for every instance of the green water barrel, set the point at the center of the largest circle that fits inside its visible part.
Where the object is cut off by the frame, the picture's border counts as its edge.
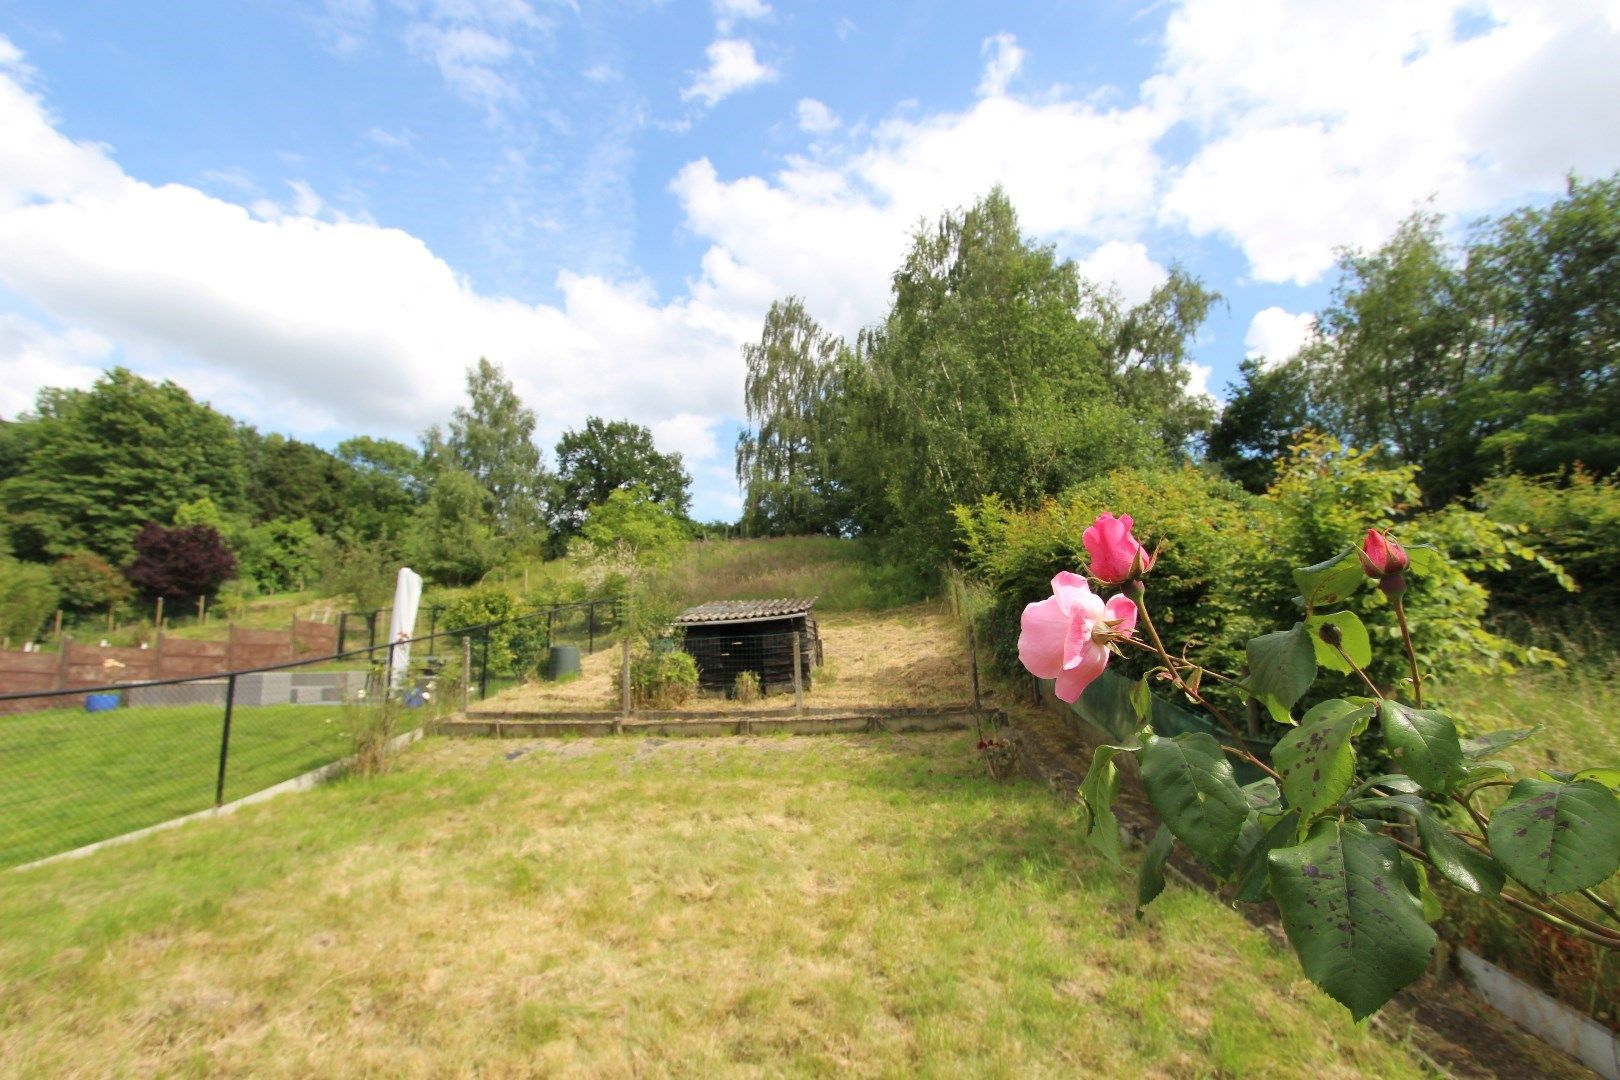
(563, 662)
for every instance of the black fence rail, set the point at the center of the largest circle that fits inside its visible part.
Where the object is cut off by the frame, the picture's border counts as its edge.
(82, 765)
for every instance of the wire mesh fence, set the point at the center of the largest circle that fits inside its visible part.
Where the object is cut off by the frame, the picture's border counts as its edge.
(99, 748)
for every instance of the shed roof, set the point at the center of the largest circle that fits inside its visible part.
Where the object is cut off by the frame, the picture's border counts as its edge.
(743, 611)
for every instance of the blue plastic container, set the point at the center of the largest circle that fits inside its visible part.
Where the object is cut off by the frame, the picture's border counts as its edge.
(100, 702)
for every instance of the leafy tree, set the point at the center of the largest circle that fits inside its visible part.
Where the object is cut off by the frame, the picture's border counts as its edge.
(1149, 357)
(181, 563)
(387, 484)
(289, 480)
(491, 439)
(1550, 281)
(632, 521)
(606, 456)
(1399, 344)
(103, 461)
(784, 458)
(984, 379)
(1264, 415)
(1498, 354)
(87, 583)
(365, 572)
(455, 542)
(279, 556)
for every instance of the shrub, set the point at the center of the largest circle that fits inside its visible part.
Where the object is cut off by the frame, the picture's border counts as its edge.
(280, 555)
(1576, 522)
(514, 645)
(87, 583)
(27, 598)
(662, 679)
(182, 563)
(1220, 545)
(365, 573)
(745, 687)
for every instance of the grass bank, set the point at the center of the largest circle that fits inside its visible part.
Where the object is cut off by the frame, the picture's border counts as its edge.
(820, 906)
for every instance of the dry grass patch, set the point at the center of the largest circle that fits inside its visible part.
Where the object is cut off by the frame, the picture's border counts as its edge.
(729, 907)
(912, 656)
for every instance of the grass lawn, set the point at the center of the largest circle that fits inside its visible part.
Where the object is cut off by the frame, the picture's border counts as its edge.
(642, 907)
(68, 777)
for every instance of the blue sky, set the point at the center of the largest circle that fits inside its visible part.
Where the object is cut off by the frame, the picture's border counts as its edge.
(317, 214)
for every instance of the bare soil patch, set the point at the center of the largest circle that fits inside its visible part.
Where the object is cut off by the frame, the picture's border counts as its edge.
(913, 656)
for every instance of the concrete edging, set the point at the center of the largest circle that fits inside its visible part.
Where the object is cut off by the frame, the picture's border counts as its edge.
(1549, 1020)
(820, 722)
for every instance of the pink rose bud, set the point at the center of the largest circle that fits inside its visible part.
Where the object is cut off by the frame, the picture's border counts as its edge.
(1381, 557)
(1116, 555)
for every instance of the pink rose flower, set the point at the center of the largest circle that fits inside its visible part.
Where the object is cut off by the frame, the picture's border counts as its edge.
(1116, 555)
(1068, 636)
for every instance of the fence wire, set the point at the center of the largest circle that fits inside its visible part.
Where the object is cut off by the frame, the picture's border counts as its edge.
(85, 763)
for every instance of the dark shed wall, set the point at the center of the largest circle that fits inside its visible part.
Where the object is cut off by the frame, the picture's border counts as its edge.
(765, 648)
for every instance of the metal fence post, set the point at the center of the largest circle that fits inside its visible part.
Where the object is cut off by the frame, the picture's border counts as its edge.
(973, 662)
(798, 676)
(466, 671)
(590, 631)
(483, 668)
(225, 739)
(624, 663)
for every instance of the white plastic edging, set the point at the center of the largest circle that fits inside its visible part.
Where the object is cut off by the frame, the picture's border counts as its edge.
(1553, 1022)
(298, 783)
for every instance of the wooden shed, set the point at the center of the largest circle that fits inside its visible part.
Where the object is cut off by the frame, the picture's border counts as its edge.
(728, 637)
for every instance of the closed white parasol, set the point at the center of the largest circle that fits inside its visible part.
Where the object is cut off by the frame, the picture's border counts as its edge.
(402, 624)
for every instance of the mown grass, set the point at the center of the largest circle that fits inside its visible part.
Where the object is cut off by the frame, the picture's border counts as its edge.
(867, 905)
(69, 778)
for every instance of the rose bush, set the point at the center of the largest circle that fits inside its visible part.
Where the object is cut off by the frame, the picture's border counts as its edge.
(1347, 857)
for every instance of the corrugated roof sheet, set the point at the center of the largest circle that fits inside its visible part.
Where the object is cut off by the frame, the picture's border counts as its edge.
(736, 611)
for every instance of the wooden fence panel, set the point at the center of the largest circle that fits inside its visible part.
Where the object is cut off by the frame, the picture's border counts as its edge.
(313, 638)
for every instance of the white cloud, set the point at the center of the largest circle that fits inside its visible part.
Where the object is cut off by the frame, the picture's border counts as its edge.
(390, 140)
(688, 434)
(1005, 60)
(32, 357)
(1126, 267)
(1198, 379)
(732, 67)
(306, 325)
(1274, 334)
(469, 59)
(1318, 130)
(815, 118)
(728, 13)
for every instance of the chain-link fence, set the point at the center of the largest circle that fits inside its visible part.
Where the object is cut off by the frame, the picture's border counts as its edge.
(100, 748)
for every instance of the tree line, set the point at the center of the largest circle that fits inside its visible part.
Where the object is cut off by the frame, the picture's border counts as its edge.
(133, 487)
(1000, 371)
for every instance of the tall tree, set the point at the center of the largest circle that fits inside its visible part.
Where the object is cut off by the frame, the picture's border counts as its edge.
(986, 378)
(454, 543)
(784, 458)
(1149, 356)
(491, 438)
(1400, 342)
(289, 479)
(1264, 415)
(387, 483)
(607, 456)
(1550, 280)
(104, 461)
